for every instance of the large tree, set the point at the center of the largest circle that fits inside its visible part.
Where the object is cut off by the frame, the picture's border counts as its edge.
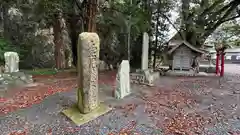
(227, 34)
(200, 18)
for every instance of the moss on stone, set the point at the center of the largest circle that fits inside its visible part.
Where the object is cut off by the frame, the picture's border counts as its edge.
(78, 118)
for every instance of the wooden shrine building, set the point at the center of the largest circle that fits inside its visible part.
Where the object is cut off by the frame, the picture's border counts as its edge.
(182, 54)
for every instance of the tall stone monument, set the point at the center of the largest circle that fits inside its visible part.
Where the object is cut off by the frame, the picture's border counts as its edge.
(144, 75)
(123, 80)
(145, 47)
(88, 50)
(11, 62)
(88, 107)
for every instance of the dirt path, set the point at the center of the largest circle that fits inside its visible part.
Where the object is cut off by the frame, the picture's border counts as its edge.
(175, 106)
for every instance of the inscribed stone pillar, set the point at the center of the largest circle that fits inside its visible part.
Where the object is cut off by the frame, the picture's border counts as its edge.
(123, 80)
(145, 46)
(11, 62)
(88, 57)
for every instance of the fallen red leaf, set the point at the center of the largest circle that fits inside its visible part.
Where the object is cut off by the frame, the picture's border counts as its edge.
(34, 95)
(18, 133)
(3, 100)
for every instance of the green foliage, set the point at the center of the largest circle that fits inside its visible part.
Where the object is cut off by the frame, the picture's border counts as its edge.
(227, 34)
(121, 15)
(200, 18)
(46, 10)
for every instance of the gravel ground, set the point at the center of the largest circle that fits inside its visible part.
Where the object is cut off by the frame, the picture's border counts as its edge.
(176, 105)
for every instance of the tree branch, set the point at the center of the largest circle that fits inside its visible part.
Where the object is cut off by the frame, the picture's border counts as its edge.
(229, 7)
(214, 27)
(170, 22)
(80, 6)
(211, 27)
(206, 11)
(232, 3)
(231, 18)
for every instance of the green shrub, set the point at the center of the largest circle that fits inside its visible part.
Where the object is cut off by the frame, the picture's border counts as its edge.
(43, 72)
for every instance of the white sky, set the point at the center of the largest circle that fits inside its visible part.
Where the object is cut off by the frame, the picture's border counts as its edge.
(173, 18)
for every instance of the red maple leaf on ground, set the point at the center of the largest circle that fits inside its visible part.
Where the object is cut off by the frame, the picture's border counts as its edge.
(51, 84)
(35, 95)
(19, 132)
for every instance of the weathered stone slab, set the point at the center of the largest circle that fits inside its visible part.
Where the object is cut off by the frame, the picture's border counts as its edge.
(137, 78)
(11, 62)
(187, 73)
(123, 80)
(88, 50)
(15, 79)
(146, 77)
(80, 119)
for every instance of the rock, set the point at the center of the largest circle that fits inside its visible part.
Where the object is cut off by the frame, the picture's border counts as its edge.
(17, 82)
(11, 62)
(123, 80)
(102, 66)
(2, 69)
(3, 88)
(146, 77)
(18, 74)
(14, 79)
(23, 78)
(149, 77)
(137, 78)
(6, 76)
(236, 92)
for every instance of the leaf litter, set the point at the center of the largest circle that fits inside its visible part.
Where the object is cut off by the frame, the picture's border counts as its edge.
(52, 84)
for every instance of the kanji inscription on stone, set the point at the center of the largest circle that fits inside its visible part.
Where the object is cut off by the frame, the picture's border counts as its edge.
(88, 57)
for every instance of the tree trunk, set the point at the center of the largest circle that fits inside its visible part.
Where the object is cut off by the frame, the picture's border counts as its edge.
(5, 21)
(74, 37)
(1, 20)
(156, 42)
(123, 42)
(137, 52)
(58, 41)
(155, 47)
(129, 44)
(91, 15)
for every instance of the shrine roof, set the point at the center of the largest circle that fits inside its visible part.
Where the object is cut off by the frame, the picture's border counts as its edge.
(177, 43)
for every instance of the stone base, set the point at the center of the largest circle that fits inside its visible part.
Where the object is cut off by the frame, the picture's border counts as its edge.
(80, 119)
(118, 96)
(187, 73)
(156, 75)
(145, 77)
(16, 79)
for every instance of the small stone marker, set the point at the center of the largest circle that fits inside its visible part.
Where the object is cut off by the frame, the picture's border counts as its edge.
(11, 62)
(88, 107)
(123, 80)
